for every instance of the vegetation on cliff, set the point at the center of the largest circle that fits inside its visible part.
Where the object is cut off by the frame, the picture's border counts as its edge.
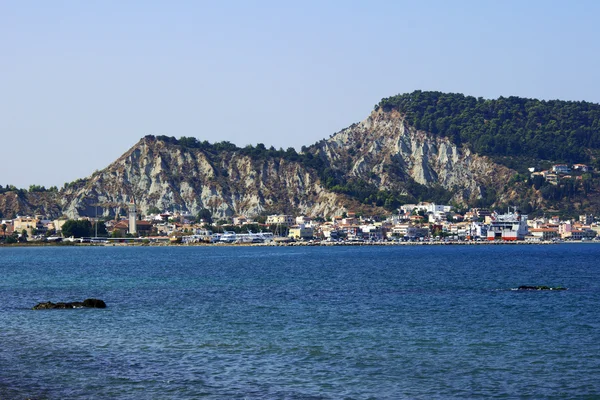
(32, 189)
(560, 131)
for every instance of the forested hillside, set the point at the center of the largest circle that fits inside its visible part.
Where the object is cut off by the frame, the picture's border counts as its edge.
(557, 131)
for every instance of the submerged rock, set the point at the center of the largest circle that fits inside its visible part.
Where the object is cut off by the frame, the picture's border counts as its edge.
(88, 303)
(541, 288)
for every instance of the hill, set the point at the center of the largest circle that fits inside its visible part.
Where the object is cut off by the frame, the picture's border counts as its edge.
(422, 146)
(513, 127)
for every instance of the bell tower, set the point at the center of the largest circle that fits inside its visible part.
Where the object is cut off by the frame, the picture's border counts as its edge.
(132, 218)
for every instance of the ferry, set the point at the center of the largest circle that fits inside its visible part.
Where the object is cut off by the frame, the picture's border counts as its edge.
(252, 237)
(265, 236)
(228, 237)
(508, 227)
(201, 236)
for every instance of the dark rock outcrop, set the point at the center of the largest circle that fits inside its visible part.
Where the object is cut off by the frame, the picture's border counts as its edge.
(94, 303)
(87, 303)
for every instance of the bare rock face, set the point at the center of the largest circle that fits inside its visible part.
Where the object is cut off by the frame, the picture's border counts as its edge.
(172, 177)
(87, 303)
(383, 150)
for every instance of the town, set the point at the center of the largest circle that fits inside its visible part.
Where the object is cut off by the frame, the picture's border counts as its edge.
(423, 222)
(411, 223)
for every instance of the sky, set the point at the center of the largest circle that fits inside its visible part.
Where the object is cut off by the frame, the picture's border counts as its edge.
(81, 82)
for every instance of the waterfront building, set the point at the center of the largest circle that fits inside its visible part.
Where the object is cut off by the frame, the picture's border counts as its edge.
(586, 219)
(9, 227)
(544, 233)
(371, 232)
(400, 230)
(287, 220)
(301, 232)
(478, 230)
(27, 224)
(415, 232)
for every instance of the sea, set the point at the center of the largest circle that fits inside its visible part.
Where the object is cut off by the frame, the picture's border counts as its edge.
(361, 322)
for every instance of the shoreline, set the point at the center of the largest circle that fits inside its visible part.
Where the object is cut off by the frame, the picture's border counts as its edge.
(301, 244)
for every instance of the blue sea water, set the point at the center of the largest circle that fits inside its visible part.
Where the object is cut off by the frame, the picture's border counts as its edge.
(301, 323)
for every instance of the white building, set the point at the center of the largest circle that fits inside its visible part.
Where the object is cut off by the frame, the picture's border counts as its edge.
(303, 220)
(561, 169)
(286, 220)
(427, 208)
(371, 232)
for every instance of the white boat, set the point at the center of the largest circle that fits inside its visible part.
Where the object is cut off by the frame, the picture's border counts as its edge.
(228, 237)
(201, 236)
(265, 236)
(252, 237)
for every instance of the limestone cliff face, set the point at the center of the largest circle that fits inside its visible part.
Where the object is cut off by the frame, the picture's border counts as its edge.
(383, 150)
(172, 177)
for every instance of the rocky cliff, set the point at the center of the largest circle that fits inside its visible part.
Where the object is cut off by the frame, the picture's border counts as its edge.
(22, 202)
(173, 177)
(383, 151)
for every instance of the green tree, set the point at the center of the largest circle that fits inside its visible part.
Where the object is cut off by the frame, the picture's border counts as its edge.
(537, 181)
(506, 127)
(4, 229)
(205, 215)
(153, 210)
(36, 188)
(101, 229)
(77, 228)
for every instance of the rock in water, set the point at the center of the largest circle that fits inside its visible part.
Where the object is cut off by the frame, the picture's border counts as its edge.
(88, 303)
(94, 303)
(541, 288)
(45, 306)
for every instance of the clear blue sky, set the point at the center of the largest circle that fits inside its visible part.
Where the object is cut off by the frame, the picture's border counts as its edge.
(83, 81)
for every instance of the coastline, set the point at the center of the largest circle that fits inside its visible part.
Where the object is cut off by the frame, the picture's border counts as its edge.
(301, 244)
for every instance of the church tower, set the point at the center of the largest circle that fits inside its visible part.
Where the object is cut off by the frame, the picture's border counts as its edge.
(132, 218)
